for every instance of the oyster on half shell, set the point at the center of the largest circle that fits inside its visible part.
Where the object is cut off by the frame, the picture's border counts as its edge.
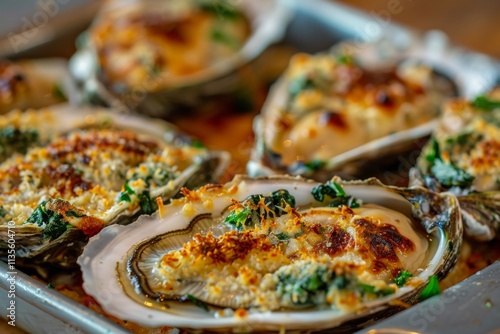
(463, 157)
(292, 252)
(153, 56)
(355, 106)
(74, 171)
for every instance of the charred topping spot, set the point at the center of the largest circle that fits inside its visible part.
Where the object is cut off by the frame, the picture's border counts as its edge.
(384, 99)
(65, 179)
(333, 119)
(122, 141)
(384, 240)
(337, 241)
(224, 249)
(90, 225)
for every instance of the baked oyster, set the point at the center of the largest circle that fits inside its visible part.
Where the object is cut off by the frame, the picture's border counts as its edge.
(463, 157)
(152, 55)
(275, 253)
(97, 168)
(330, 112)
(34, 84)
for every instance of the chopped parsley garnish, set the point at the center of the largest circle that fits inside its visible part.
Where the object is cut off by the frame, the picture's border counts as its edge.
(128, 190)
(333, 194)
(252, 208)
(431, 289)
(484, 103)
(124, 197)
(282, 236)
(402, 278)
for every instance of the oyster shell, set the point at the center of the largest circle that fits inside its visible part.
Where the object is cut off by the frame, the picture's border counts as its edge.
(353, 107)
(129, 281)
(219, 36)
(463, 157)
(88, 168)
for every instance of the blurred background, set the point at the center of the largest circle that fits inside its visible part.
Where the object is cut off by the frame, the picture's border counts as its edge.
(469, 23)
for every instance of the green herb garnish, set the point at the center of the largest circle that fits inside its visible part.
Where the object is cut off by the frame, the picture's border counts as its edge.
(53, 223)
(148, 206)
(315, 165)
(223, 37)
(58, 93)
(447, 173)
(197, 302)
(124, 197)
(220, 8)
(251, 212)
(334, 194)
(14, 140)
(484, 103)
(431, 289)
(450, 175)
(345, 59)
(402, 278)
(367, 288)
(3, 212)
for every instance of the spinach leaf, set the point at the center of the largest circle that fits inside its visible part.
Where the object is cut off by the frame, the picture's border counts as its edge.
(334, 194)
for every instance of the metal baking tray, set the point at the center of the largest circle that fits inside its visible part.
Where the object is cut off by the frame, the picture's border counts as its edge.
(316, 26)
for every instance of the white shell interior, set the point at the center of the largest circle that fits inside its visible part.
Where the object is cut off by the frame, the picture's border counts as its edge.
(105, 250)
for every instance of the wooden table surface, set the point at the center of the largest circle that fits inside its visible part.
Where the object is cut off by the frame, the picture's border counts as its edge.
(474, 24)
(471, 24)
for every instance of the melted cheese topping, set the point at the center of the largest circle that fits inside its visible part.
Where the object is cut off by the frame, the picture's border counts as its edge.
(372, 242)
(137, 45)
(85, 173)
(333, 106)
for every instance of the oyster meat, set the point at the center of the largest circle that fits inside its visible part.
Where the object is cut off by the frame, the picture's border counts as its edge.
(463, 157)
(165, 51)
(62, 188)
(278, 248)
